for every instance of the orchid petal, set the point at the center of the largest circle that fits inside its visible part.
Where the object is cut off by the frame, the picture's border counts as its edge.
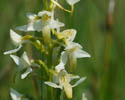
(13, 51)
(19, 62)
(68, 90)
(32, 26)
(53, 85)
(22, 28)
(16, 38)
(55, 24)
(72, 77)
(41, 13)
(28, 71)
(38, 25)
(26, 59)
(70, 34)
(72, 2)
(15, 95)
(60, 66)
(31, 16)
(81, 53)
(64, 57)
(26, 28)
(79, 81)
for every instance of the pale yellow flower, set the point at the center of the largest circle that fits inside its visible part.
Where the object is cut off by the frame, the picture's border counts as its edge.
(64, 80)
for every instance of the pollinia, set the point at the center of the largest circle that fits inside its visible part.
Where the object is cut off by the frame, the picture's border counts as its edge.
(58, 53)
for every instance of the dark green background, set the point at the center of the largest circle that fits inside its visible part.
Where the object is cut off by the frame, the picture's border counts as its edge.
(105, 71)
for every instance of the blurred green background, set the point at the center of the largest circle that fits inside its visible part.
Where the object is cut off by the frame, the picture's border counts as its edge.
(105, 70)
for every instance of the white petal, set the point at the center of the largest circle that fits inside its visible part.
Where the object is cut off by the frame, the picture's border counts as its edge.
(81, 54)
(28, 71)
(30, 27)
(15, 95)
(72, 2)
(55, 24)
(79, 81)
(53, 85)
(70, 34)
(18, 61)
(68, 90)
(31, 16)
(26, 59)
(38, 25)
(33, 26)
(41, 13)
(15, 37)
(64, 57)
(27, 28)
(73, 45)
(72, 77)
(13, 51)
(60, 67)
(22, 28)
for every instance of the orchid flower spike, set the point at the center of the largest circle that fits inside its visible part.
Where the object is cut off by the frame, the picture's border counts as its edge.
(16, 39)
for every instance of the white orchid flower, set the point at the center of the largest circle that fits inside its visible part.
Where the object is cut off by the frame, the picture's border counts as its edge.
(42, 22)
(72, 2)
(64, 80)
(23, 63)
(16, 39)
(16, 95)
(48, 23)
(68, 35)
(75, 51)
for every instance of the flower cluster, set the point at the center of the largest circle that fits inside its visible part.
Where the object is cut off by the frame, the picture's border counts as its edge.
(59, 48)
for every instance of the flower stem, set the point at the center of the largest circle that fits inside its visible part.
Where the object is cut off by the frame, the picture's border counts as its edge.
(46, 4)
(62, 94)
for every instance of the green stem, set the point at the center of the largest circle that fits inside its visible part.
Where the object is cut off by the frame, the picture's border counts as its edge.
(49, 64)
(37, 94)
(49, 59)
(46, 4)
(62, 94)
(41, 89)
